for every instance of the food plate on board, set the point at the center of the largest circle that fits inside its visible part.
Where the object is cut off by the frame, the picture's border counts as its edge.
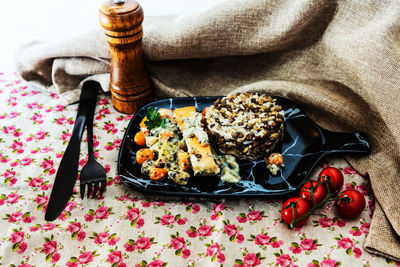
(304, 144)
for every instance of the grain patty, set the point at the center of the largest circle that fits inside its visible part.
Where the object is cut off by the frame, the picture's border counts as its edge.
(246, 125)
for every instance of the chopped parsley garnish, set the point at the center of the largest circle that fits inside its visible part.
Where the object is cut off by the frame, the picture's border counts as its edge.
(154, 119)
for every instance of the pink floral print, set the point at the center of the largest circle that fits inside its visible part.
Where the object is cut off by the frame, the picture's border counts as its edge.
(128, 228)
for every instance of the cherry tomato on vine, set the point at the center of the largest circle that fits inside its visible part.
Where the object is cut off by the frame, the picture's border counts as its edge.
(335, 176)
(350, 204)
(319, 190)
(301, 207)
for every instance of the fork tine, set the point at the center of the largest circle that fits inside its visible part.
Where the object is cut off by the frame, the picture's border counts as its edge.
(103, 187)
(89, 189)
(95, 188)
(82, 187)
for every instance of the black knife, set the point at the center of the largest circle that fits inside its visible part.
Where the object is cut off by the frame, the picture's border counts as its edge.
(67, 171)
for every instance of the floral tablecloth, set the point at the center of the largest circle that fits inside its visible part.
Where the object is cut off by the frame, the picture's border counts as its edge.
(126, 228)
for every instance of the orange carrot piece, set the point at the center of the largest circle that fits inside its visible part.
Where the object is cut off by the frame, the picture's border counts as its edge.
(204, 111)
(157, 173)
(144, 154)
(140, 138)
(275, 158)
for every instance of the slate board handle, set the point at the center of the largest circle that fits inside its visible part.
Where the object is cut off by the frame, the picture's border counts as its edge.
(347, 142)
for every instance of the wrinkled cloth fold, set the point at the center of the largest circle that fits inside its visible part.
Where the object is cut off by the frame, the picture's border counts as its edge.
(339, 60)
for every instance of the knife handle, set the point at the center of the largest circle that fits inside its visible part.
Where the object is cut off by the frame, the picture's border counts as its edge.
(87, 104)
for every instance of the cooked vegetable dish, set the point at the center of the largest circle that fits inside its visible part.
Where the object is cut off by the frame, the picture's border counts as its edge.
(177, 146)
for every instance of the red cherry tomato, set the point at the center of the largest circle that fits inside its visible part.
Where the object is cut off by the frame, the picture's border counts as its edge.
(335, 176)
(302, 206)
(350, 204)
(319, 190)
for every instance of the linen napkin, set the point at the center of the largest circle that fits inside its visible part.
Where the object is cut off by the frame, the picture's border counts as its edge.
(339, 60)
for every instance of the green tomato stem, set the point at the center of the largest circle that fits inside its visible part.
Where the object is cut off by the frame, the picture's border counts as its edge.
(330, 197)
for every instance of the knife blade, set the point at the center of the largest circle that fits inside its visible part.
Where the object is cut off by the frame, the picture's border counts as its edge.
(68, 169)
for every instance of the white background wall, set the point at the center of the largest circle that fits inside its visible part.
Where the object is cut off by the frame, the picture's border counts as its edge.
(22, 21)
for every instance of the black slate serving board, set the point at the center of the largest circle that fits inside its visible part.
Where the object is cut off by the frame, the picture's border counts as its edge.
(303, 146)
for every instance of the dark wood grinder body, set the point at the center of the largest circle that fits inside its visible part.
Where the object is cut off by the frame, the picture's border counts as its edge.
(129, 80)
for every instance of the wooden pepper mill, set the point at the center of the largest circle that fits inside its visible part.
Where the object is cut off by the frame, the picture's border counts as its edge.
(129, 80)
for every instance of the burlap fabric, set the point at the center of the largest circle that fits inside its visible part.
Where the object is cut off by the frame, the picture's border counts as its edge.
(339, 60)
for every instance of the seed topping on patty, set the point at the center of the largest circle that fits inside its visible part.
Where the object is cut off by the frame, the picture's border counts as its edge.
(246, 125)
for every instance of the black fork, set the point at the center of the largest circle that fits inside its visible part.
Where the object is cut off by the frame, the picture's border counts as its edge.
(92, 174)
